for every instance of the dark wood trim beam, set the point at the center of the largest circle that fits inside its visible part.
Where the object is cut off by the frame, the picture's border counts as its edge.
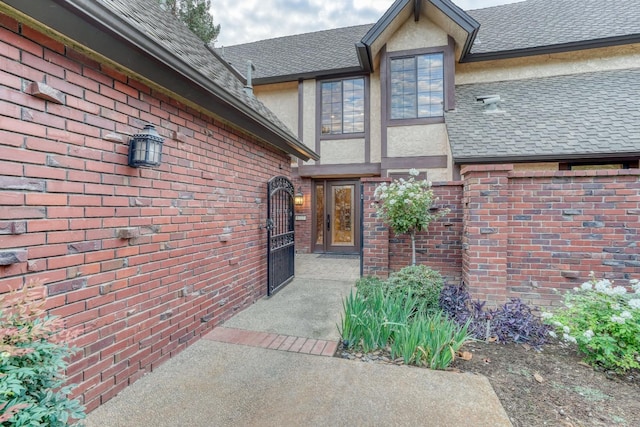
(422, 162)
(384, 113)
(330, 136)
(346, 170)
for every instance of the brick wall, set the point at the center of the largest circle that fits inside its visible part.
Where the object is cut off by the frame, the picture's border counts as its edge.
(134, 258)
(375, 235)
(525, 234)
(563, 225)
(439, 246)
(303, 227)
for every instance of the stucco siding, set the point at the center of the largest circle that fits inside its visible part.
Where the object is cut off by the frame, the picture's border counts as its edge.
(423, 140)
(309, 115)
(611, 58)
(417, 35)
(342, 151)
(547, 166)
(282, 99)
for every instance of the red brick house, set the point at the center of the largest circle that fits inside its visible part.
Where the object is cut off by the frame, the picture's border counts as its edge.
(142, 260)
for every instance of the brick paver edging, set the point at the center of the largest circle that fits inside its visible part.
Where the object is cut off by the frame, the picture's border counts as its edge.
(273, 341)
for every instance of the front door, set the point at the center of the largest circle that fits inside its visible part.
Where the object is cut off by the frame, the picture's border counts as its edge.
(336, 222)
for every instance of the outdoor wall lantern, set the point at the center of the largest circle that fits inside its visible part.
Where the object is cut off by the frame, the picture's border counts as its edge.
(145, 149)
(298, 199)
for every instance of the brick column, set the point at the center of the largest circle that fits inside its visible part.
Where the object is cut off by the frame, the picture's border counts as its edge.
(485, 232)
(375, 235)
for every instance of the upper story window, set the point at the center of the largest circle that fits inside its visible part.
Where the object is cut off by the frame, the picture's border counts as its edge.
(342, 106)
(417, 86)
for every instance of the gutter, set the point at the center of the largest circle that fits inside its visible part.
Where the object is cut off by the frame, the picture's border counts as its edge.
(545, 157)
(555, 48)
(84, 20)
(463, 19)
(306, 76)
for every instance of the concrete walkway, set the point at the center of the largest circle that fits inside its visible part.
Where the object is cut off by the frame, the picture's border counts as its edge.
(271, 365)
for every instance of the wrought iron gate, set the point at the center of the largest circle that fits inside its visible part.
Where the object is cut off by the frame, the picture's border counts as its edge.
(280, 233)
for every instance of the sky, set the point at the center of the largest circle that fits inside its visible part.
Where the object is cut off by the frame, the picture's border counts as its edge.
(244, 21)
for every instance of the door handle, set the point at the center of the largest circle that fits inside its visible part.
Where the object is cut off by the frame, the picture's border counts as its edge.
(328, 222)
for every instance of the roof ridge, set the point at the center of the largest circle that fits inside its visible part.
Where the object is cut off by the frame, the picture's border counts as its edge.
(497, 5)
(296, 35)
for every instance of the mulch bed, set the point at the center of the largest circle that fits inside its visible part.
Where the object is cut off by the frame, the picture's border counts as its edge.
(551, 387)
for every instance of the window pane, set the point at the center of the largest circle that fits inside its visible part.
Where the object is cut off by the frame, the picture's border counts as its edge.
(417, 86)
(342, 106)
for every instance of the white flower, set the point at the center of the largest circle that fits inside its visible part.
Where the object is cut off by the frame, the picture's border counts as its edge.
(616, 306)
(556, 323)
(588, 334)
(634, 303)
(586, 286)
(546, 315)
(414, 172)
(626, 315)
(553, 334)
(603, 285)
(566, 329)
(635, 285)
(617, 319)
(618, 290)
(392, 202)
(569, 338)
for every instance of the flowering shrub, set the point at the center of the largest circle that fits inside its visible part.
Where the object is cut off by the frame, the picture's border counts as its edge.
(33, 348)
(604, 321)
(405, 205)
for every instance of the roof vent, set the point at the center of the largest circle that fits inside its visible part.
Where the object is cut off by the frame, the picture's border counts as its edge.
(490, 102)
(248, 88)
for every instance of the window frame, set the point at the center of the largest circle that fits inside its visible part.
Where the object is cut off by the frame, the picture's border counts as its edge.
(448, 89)
(351, 135)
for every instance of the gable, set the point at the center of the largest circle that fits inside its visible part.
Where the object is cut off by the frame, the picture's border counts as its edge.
(459, 24)
(417, 35)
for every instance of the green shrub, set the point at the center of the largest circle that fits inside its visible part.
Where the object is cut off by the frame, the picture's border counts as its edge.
(366, 286)
(422, 282)
(33, 348)
(604, 322)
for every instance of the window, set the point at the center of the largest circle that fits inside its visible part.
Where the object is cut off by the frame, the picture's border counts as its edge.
(417, 86)
(342, 106)
(598, 165)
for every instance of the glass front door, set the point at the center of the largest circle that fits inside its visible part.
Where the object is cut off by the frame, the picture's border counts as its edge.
(337, 216)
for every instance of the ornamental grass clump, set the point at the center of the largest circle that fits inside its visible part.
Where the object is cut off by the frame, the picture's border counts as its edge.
(399, 322)
(405, 206)
(33, 352)
(603, 320)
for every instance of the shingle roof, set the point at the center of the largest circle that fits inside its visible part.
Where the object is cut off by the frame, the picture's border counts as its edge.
(177, 39)
(582, 115)
(299, 54)
(535, 23)
(139, 36)
(516, 26)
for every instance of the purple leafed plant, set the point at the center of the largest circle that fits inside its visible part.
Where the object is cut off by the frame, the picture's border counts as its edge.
(514, 321)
